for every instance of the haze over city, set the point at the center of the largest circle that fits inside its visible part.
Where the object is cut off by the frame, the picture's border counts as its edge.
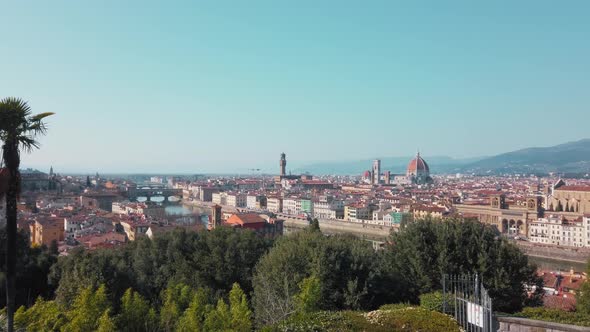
(182, 87)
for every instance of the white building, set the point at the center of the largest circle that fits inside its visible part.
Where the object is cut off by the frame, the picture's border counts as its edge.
(251, 201)
(71, 225)
(236, 200)
(157, 179)
(219, 198)
(554, 230)
(328, 208)
(255, 201)
(290, 205)
(274, 204)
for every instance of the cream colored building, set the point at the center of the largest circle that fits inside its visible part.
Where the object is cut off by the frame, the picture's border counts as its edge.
(235, 200)
(558, 231)
(219, 198)
(274, 204)
(290, 205)
(357, 212)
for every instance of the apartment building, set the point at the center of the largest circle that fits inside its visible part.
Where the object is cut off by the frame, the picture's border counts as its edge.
(559, 231)
(290, 205)
(328, 208)
(274, 204)
(236, 200)
(357, 212)
(256, 201)
(219, 198)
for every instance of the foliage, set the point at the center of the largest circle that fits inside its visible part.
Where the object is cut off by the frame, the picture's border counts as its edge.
(309, 296)
(241, 315)
(88, 307)
(32, 267)
(183, 309)
(314, 225)
(82, 268)
(556, 316)
(583, 296)
(348, 268)
(136, 313)
(212, 260)
(413, 319)
(193, 317)
(106, 323)
(42, 316)
(176, 299)
(407, 319)
(434, 301)
(218, 319)
(394, 306)
(427, 249)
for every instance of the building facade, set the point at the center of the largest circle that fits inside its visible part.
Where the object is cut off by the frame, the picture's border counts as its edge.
(274, 204)
(556, 230)
(47, 230)
(236, 200)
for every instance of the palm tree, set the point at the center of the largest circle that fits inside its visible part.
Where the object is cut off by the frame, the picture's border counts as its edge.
(18, 130)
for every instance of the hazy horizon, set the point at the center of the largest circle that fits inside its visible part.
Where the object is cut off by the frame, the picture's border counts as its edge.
(226, 87)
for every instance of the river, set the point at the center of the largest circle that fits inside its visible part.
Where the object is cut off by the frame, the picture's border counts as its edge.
(556, 265)
(186, 210)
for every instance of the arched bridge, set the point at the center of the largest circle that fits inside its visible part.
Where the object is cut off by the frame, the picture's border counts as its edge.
(148, 193)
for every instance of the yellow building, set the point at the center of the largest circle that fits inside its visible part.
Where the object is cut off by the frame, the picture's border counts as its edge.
(44, 231)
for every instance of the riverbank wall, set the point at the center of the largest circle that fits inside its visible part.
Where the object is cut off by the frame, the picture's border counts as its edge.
(373, 232)
(569, 254)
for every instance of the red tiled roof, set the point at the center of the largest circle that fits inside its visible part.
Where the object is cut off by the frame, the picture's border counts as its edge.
(245, 218)
(418, 164)
(574, 188)
(567, 302)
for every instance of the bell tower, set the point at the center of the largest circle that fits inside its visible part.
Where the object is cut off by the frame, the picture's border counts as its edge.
(283, 164)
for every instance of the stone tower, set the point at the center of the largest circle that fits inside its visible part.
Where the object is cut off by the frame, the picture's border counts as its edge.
(215, 217)
(283, 164)
(376, 171)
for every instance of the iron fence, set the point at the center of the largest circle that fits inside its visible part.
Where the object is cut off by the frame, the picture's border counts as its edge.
(465, 298)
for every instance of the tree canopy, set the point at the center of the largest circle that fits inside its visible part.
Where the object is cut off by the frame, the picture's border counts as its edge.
(426, 250)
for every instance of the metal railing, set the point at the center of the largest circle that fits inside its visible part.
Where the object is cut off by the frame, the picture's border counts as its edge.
(465, 298)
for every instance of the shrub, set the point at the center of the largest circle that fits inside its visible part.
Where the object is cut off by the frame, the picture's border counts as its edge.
(434, 301)
(394, 306)
(555, 315)
(413, 319)
(405, 319)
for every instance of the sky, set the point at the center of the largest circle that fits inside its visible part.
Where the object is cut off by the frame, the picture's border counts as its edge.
(226, 86)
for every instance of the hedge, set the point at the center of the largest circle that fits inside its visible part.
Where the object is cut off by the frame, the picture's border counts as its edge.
(413, 319)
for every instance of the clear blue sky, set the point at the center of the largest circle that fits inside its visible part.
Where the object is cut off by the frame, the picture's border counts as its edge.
(226, 86)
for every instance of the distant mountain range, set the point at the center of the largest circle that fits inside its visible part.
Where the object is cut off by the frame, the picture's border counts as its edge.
(572, 158)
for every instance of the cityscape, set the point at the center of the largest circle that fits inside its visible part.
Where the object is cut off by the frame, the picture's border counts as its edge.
(295, 167)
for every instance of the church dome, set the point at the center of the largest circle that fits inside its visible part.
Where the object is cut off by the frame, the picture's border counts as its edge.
(418, 166)
(367, 174)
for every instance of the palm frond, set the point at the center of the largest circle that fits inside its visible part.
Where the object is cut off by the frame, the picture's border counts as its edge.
(27, 142)
(40, 116)
(18, 125)
(37, 127)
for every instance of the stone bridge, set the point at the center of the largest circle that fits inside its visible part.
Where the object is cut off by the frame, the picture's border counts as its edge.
(148, 193)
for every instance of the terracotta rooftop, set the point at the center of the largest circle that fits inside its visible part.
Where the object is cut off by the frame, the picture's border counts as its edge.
(574, 188)
(245, 218)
